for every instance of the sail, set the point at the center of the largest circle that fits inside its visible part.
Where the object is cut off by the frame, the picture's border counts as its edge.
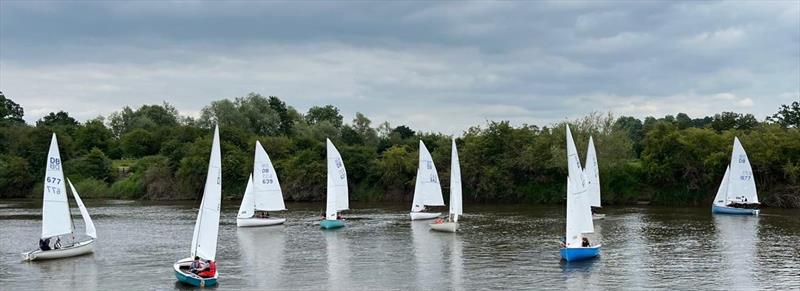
(247, 209)
(427, 190)
(337, 183)
(266, 189)
(56, 219)
(455, 184)
(722, 192)
(592, 175)
(579, 214)
(87, 220)
(204, 242)
(742, 186)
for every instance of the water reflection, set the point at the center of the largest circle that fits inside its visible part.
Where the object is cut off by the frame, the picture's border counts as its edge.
(737, 237)
(262, 250)
(456, 262)
(339, 255)
(427, 255)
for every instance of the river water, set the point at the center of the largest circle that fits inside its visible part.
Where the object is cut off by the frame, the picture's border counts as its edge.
(498, 247)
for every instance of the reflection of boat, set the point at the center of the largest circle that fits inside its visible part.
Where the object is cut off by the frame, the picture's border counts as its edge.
(456, 263)
(579, 213)
(592, 172)
(338, 264)
(427, 255)
(206, 228)
(56, 218)
(737, 193)
(451, 225)
(263, 194)
(262, 252)
(338, 199)
(738, 237)
(427, 191)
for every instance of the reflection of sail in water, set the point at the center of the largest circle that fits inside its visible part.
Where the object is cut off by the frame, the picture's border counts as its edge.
(428, 256)
(262, 256)
(338, 261)
(737, 237)
(456, 263)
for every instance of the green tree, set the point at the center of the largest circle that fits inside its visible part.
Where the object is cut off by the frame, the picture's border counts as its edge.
(15, 177)
(787, 115)
(327, 113)
(138, 143)
(10, 112)
(94, 164)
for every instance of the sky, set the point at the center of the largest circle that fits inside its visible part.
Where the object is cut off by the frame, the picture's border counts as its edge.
(434, 66)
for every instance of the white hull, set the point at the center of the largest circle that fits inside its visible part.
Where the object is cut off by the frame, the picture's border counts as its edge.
(445, 226)
(253, 221)
(596, 216)
(424, 215)
(80, 248)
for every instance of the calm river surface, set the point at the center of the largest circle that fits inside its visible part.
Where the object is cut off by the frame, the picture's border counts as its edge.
(498, 247)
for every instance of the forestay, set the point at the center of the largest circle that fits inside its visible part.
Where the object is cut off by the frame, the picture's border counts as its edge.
(455, 184)
(741, 180)
(592, 172)
(579, 215)
(248, 206)
(337, 183)
(204, 240)
(266, 188)
(427, 190)
(56, 219)
(87, 220)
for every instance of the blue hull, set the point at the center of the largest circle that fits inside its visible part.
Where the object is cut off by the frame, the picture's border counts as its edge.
(732, 210)
(331, 224)
(579, 254)
(194, 281)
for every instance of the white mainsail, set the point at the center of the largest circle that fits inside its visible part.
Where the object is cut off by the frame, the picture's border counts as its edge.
(455, 184)
(248, 206)
(337, 183)
(266, 188)
(592, 175)
(87, 220)
(56, 219)
(427, 190)
(722, 193)
(206, 229)
(579, 214)
(741, 184)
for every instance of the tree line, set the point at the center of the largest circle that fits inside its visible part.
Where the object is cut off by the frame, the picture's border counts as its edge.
(153, 152)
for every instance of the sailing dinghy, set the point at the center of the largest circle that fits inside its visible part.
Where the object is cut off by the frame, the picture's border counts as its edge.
(593, 180)
(337, 189)
(427, 191)
(56, 218)
(737, 193)
(206, 228)
(263, 194)
(451, 224)
(579, 213)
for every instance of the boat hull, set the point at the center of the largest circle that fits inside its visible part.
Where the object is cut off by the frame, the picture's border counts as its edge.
(445, 226)
(424, 215)
(733, 210)
(331, 224)
(192, 279)
(254, 221)
(597, 216)
(580, 254)
(80, 248)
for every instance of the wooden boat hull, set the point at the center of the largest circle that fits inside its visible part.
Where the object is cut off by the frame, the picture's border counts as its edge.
(424, 215)
(598, 216)
(192, 279)
(254, 221)
(579, 254)
(331, 224)
(80, 248)
(445, 226)
(733, 210)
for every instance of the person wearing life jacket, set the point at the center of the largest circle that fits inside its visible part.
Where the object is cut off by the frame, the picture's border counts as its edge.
(210, 271)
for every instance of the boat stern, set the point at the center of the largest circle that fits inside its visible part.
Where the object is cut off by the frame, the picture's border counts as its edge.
(579, 254)
(331, 224)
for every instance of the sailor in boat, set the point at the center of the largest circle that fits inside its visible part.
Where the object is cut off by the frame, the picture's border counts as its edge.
(439, 220)
(197, 265)
(44, 244)
(210, 270)
(585, 242)
(57, 245)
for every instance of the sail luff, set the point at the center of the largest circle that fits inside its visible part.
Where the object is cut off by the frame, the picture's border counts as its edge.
(56, 218)
(266, 187)
(87, 220)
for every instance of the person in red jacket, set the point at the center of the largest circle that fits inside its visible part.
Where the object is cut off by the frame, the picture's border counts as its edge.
(210, 270)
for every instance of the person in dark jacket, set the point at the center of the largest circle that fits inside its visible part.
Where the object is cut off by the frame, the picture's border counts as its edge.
(44, 244)
(586, 243)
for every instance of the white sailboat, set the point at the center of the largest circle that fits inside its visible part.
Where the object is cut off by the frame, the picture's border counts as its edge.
(579, 213)
(427, 191)
(263, 194)
(737, 193)
(592, 172)
(451, 225)
(56, 218)
(337, 199)
(206, 228)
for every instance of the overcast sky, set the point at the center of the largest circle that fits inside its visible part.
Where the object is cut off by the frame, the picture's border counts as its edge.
(434, 66)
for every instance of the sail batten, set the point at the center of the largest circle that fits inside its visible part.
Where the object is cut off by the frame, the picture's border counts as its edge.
(427, 190)
(56, 219)
(204, 239)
